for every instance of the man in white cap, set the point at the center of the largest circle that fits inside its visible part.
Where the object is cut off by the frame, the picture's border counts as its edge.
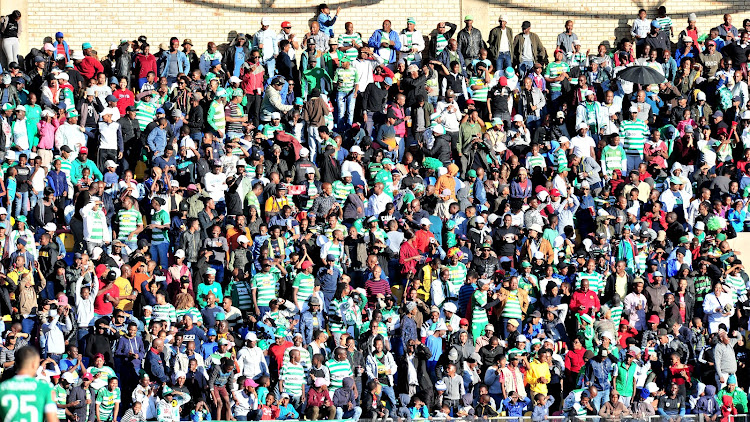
(583, 145)
(344, 187)
(111, 143)
(265, 41)
(500, 43)
(634, 133)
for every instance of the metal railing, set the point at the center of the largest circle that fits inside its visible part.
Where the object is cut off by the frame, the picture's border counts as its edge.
(527, 418)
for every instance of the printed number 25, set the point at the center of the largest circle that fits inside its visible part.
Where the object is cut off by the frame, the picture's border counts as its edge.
(28, 413)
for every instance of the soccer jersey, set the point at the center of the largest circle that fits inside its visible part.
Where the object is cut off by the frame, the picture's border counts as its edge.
(129, 221)
(265, 284)
(106, 400)
(160, 218)
(554, 70)
(294, 378)
(305, 283)
(338, 371)
(634, 132)
(347, 78)
(27, 399)
(165, 312)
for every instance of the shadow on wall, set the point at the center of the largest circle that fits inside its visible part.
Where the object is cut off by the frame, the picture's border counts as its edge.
(264, 5)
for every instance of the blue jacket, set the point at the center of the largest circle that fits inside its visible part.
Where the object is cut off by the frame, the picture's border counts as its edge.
(480, 194)
(183, 65)
(155, 367)
(287, 412)
(598, 373)
(408, 330)
(307, 325)
(374, 42)
(517, 408)
(65, 46)
(57, 181)
(326, 23)
(157, 141)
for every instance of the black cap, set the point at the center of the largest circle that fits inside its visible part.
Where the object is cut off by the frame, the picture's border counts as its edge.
(142, 243)
(130, 108)
(65, 148)
(111, 276)
(13, 65)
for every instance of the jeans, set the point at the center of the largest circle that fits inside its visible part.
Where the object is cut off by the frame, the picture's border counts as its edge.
(313, 142)
(503, 61)
(432, 99)
(401, 142)
(270, 68)
(634, 160)
(159, 253)
(219, 273)
(524, 67)
(349, 414)
(27, 324)
(601, 398)
(391, 395)
(21, 204)
(345, 102)
(33, 200)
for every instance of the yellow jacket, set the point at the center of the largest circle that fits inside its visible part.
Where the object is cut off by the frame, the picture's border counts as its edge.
(537, 370)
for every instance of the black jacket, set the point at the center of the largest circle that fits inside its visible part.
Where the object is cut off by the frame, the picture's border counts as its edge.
(79, 394)
(441, 149)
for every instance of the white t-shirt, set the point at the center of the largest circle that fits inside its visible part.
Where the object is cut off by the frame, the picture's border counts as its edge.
(582, 145)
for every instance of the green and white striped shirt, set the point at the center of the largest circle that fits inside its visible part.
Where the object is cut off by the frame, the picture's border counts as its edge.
(346, 40)
(306, 284)
(554, 70)
(347, 77)
(341, 190)
(294, 378)
(634, 133)
(165, 312)
(596, 282)
(512, 308)
(160, 218)
(98, 226)
(242, 295)
(456, 279)
(479, 94)
(265, 284)
(145, 113)
(440, 44)
(129, 221)
(106, 400)
(338, 371)
(535, 161)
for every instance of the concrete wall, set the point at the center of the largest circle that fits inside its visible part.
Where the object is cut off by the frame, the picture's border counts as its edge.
(104, 22)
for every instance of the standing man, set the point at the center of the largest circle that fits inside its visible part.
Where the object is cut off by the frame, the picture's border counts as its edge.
(634, 133)
(23, 397)
(412, 43)
(10, 27)
(470, 40)
(264, 41)
(565, 39)
(500, 43)
(346, 80)
(527, 49)
(386, 43)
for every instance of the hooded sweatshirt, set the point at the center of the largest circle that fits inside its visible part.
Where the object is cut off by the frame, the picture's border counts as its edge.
(707, 404)
(345, 395)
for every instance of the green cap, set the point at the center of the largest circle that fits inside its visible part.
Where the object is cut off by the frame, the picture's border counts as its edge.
(21, 218)
(72, 113)
(721, 237)
(684, 239)
(166, 391)
(220, 316)
(450, 224)
(411, 20)
(702, 37)
(562, 169)
(8, 106)
(280, 332)
(526, 264)
(221, 92)
(387, 161)
(468, 18)
(345, 59)
(471, 173)
(675, 180)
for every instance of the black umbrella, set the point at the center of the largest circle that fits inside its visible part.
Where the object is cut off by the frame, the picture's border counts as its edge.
(643, 75)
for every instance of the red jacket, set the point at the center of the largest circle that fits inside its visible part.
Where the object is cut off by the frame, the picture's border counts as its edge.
(625, 335)
(583, 302)
(318, 398)
(89, 67)
(145, 63)
(125, 98)
(574, 360)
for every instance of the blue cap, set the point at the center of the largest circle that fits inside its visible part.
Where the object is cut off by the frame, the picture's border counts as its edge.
(160, 111)
(86, 46)
(645, 393)
(211, 332)
(215, 62)
(331, 257)
(298, 101)
(732, 379)
(111, 98)
(59, 35)
(655, 24)
(388, 81)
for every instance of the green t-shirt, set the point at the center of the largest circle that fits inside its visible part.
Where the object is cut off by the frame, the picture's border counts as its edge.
(106, 401)
(129, 221)
(25, 399)
(265, 284)
(554, 70)
(160, 235)
(305, 283)
(204, 289)
(347, 77)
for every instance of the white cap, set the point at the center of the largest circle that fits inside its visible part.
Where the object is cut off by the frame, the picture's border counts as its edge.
(310, 170)
(108, 110)
(581, 125)
(425, 222)
(77, 55)
(536, 227)
(634, 108)
(266, 21)
(521, 339)
(251, 336)
(235, 80)
(112, 47)
(69, 377)
(243, 239)
(3, 211)
(746, 115)
(701, 96)
(450, 307)
(480, 220)
(356, 149)
(64, 76)
(492, 218)
(47, 112)
(304, 152)
(346, 173)
(275, 115)
(111, 163)
(20, 108)
(179, 253)
(563, 139)
(699, 225)
(174, 183)
(50, 227)
(518, 118)
(441, 327)
(97, 253)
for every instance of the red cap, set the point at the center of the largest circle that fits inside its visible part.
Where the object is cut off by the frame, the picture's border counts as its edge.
(503, 81)
(469, 101)
(83, 150)
(305, 265)
(463, 321)
(88, 376)
(624, 322)
(632, 353)
(285, 24)
(101, 269)
(554, 192)
(721, 131)
(654, 319)
(558, 51)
